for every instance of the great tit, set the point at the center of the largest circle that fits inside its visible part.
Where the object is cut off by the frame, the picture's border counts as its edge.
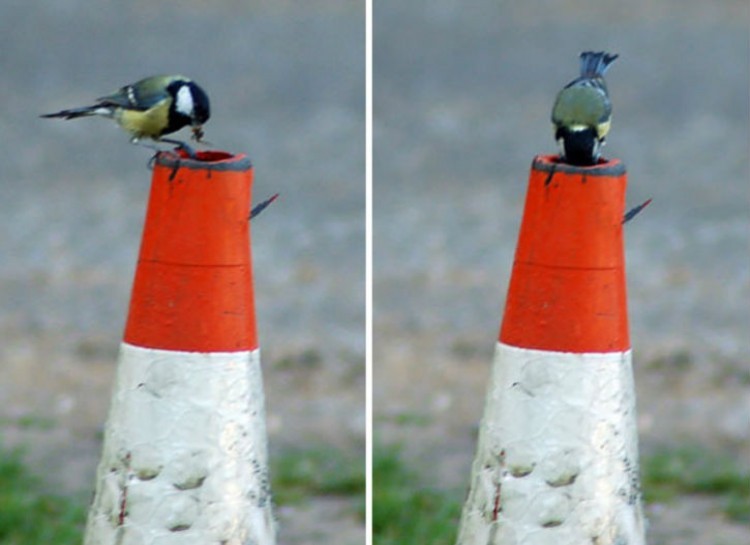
(151, 108)
(582, 111)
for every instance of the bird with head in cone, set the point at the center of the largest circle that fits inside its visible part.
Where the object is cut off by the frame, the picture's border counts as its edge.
(582, 112)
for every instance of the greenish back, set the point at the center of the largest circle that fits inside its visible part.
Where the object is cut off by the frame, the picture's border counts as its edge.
(580, 105)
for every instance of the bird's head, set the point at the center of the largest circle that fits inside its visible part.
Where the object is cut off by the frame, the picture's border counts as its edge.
(191, 102)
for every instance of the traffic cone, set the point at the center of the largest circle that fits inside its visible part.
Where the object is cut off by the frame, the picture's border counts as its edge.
(184, 459)
(557, 457)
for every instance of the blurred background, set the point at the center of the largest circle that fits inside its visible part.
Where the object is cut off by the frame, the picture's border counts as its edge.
(462, 99)
(286, 82)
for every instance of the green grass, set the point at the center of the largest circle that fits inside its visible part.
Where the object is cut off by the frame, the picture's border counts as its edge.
(406, 510)
(691, 469)
(29, 516)
(320, 471)
(407, 418)
(29, 422)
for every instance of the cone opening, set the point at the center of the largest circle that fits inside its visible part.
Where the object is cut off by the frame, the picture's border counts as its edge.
(216, 159)
(208, 156)
(550, 163)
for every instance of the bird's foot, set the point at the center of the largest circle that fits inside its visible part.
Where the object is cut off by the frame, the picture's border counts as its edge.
(181, 146)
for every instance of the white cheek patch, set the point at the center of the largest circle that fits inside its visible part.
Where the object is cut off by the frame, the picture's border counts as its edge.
(561, 146)
(184, 101)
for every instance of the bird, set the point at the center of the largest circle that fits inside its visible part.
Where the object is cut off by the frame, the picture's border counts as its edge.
(151, 108)
(582, 111)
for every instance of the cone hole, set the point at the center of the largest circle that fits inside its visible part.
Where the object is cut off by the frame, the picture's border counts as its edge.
(208, 156)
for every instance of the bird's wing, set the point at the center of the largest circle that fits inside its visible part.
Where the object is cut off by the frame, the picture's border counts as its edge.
(142, 95)
(127, 97)
(581, 105)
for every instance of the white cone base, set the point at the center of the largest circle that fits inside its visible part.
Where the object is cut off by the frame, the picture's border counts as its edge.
(557, 459)
(184, 458)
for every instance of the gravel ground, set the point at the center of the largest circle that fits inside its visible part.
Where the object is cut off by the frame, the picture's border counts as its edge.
(462, 98)
(287, 88)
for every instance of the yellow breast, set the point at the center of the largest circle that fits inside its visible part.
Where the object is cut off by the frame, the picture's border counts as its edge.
(148, 123)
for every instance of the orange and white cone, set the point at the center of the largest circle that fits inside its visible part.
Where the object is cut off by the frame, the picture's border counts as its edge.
(557, 457)
(184, 458)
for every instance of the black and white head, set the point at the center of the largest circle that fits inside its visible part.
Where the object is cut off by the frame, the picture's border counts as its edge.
(189, 102)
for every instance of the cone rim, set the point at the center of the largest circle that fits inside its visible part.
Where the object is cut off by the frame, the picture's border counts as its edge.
(552, 163)
(213, 159)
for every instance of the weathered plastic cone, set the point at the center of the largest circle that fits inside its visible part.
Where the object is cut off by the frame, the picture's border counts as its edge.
(184, 458)
(557, 458)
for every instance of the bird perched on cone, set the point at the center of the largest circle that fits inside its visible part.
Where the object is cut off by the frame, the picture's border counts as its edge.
(151, 108)
(582, 112)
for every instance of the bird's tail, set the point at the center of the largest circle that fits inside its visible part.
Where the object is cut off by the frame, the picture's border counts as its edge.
(81, 112)
(595, 64)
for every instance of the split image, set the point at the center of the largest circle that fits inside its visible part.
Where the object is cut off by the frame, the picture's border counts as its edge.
(496, 295)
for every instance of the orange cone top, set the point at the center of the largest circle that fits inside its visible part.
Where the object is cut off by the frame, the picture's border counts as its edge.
(193, 287)
(567, 290)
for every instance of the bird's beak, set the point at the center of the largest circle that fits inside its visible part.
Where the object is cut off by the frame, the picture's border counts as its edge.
(197, 132)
